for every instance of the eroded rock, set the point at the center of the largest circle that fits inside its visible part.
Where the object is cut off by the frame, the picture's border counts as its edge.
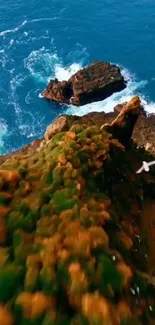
(123, 125)
(93, 83)
(57, 126)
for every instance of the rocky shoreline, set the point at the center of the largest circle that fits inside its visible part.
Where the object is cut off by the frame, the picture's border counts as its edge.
(143, 133)
(90, 84)
(77, 226)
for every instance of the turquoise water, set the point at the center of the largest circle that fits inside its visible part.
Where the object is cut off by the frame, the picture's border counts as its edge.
(44, 39)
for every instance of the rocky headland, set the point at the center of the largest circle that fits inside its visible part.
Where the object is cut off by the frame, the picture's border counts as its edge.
(77, 223)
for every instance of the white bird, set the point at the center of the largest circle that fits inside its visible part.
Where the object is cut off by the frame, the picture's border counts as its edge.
(145, 166)
(71, 100)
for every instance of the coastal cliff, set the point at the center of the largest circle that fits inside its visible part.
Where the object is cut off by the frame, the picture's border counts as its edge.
(77, 226)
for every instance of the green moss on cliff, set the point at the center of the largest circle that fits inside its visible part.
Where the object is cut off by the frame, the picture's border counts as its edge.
(70, 260)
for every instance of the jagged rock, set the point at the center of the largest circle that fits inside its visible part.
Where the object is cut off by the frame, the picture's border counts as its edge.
(62, 123)
(143, 132)
(119, 107)
(96, 82)
(57, 126)
(122, 127)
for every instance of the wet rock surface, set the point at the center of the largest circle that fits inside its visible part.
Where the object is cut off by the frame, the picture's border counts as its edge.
(93, 83)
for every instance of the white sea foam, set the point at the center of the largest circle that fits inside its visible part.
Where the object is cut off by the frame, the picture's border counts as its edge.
(14, 30)
(3, 134)
(148, 105)
(3, 58)
(31, 129)
(14, 84)
(31, 97)
(11, 41)
(43, 19)
(40, 64)
(64, 73)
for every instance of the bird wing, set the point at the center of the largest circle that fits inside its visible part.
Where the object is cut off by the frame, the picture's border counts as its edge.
(146, 166)
(140, 170)
(151, 163)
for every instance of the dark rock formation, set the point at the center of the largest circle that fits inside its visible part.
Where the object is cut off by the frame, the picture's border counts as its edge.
(96, 82)
(119, 107)
(62, 123)
(122, 127)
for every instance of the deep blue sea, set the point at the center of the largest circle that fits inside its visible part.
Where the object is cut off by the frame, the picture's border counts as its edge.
(43, 39)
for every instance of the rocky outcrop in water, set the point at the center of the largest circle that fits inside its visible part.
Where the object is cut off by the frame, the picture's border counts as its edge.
(96, 82)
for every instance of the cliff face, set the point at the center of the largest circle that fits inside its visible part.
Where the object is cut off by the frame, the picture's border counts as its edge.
(74, 225)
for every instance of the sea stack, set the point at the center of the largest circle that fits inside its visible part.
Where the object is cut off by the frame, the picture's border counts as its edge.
(94, 83)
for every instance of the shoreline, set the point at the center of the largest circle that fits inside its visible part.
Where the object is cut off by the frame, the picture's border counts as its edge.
(142, 135)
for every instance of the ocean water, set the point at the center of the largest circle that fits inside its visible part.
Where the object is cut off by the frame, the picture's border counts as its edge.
(44, 39)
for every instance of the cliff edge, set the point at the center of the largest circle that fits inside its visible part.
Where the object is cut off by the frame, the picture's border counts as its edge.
(76, 227)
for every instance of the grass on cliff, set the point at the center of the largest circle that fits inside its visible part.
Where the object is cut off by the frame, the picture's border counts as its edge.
(64, 259)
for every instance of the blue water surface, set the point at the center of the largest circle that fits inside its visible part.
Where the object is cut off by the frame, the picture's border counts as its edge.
(44, 39)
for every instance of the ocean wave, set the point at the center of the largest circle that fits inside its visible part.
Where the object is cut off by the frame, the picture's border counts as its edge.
(33, 129)
(15, 82)
(148, 105)
(8, 31)
(3, 135)
(43, 19)
(41, 63)
(3, 58)
(44, 63)
(31, 96)
(64, 73)
(11, 42)
(16, 29)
